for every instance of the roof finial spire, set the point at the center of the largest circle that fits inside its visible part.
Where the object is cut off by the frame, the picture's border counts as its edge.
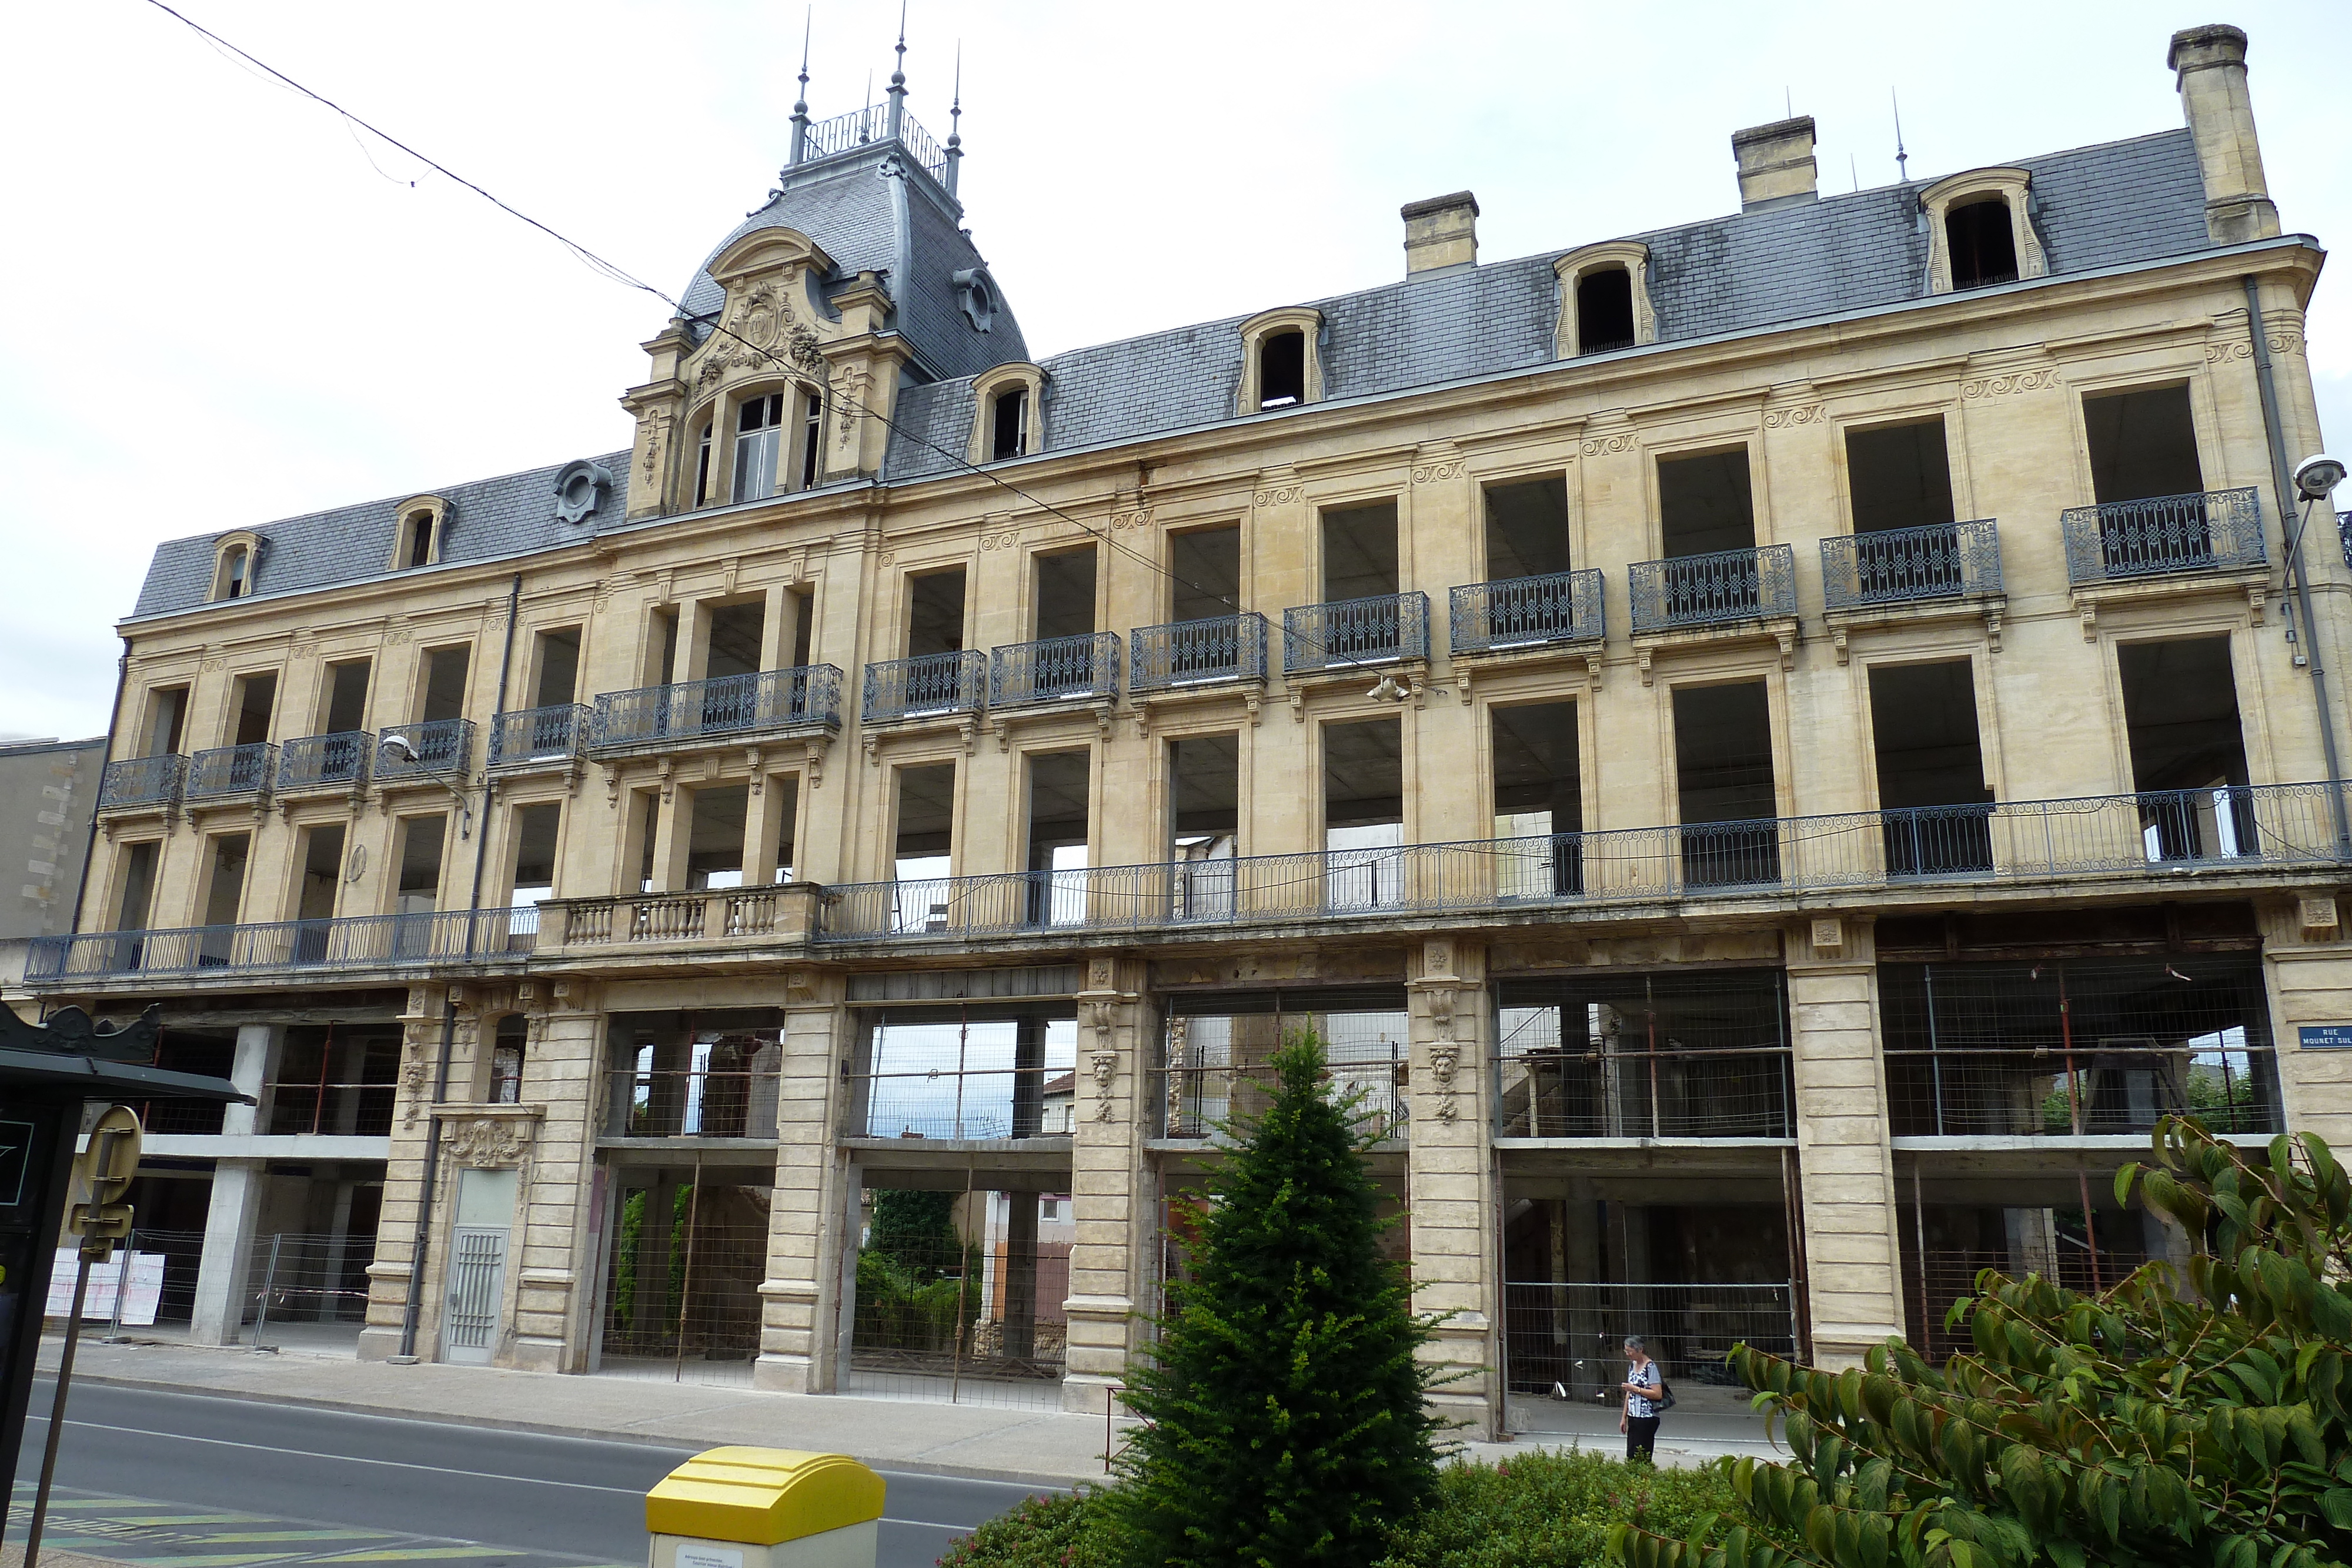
(898, 78)
(1902, 159)
(799, 108)
(955, 122)
(865, 115)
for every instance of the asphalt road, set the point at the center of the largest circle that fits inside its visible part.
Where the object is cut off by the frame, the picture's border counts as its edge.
(206, 1482)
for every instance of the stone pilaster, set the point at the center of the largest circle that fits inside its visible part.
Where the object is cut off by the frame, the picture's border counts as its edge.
(404, 1173)
(2309, 964)
(563, 1073)
(1845, 1156)
(1449, 1181)
(1110, 1195)
(808, 1212)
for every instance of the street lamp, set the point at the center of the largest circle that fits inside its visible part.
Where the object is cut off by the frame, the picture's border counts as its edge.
(401, 746)
(2316, 478)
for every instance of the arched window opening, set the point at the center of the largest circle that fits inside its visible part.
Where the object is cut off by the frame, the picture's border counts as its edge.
(1010, 425)
(1604, 310)
(759, 426)
(1982, 244)
(1281, 370)
(235, 580)
(420, 539)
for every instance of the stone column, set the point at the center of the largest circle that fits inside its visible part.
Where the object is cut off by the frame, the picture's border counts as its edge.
(236, 1204)
(1110, 1195)
(1449, 1181)
(396, 1242)
(808, 1208)
(565, 1082)
(1844, 1157)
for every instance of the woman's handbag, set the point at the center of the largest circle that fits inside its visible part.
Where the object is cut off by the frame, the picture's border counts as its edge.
(1663, 1399)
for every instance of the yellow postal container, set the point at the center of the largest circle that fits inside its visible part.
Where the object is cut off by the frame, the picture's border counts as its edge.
(765, 1507)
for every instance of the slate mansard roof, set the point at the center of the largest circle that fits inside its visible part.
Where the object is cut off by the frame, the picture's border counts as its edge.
(2113, 205)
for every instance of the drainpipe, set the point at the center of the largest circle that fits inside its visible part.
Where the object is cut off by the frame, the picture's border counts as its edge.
(2282, 477)
(414, 1307)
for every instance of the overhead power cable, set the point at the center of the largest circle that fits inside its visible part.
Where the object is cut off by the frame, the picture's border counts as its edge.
(616, 272)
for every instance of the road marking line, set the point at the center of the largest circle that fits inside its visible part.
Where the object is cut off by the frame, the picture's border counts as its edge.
(260, 1535)
(926, 1524)
(356, 1459)
(224, 1560)
(197, 1519)
(57, 1503)
(421, 1553)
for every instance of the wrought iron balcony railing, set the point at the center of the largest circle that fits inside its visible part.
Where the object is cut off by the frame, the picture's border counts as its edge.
(437, 749)
(725, 707)
(350, 942)
(141, 781)
(231, 770)
(1711, 589)
(1527, 612)
(320, 761)
(544, 737)
(926, 685)
(2221, 531)
(1197, 653)
(1055, 669)
(1901, 566)
(2256, 827)
(1353, 631)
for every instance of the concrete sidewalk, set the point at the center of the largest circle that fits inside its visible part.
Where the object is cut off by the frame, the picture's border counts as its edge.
(1028, 1446)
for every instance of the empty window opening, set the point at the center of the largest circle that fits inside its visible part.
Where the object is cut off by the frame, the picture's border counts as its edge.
(1204, 822)
(661, 645)
(935, 613)
(1281, 370)
(224, 880)
(714, 840)
(1539, 798)
(737, 636)
(135, 904)
(702, 464)
(1982, 245)
(558, 655)
(1363, 813)
(647, 819)
(2142, 443)
(1207, 566)
(420, 539)
(509, 1042)
(2188, 749)
(1008, 424)
(234, 573)
(802, 609)
(347, 693)
(420, 864)
(322, 874)
(812, 437)
(1065, 593)
(257, 695)
(981, 1072)
(1527, 528)
(1604, 310)
(445, 682)
(1722, 774)
(759, 426)
(1923, 721)
(1359, 552)
(785, 798)
(1705, 503)
(537, 831)
(1218, 1045)
(1058, 837)
(167, 709)
(1900, 477)
(923, 851)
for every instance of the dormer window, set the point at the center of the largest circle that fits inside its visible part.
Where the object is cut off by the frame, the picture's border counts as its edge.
(417, 539)
(1604, 299)
(1009, 435)
(235, 557)
(1978, 239)
(1980, 230)
(759, 427)
(1283, 363)
(232, 565)
(1604, 310)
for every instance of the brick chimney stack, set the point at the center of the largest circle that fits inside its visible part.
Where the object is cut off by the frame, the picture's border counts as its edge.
(1441, 232)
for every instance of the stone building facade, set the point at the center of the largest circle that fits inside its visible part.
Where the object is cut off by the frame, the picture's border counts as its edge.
(1770, 749)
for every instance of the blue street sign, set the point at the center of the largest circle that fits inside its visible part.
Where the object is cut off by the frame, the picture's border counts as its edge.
(2326, 1036)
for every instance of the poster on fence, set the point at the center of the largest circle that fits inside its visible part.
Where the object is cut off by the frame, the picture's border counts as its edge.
(139, 1304)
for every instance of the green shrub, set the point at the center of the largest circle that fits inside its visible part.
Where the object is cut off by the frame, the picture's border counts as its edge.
(1552, 1511)
(1043, 1533)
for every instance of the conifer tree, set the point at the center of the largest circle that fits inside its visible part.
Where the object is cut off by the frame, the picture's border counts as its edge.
(1285, 1419)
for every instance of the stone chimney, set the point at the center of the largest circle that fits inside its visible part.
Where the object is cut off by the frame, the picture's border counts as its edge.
(1776, 164)
(2208, 66)
(1441, 234)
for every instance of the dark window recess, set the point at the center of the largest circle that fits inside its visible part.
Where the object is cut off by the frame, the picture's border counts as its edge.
(2180, 720)
(1359, 552)
(420, 540)
(2142, 443)
(1538, 793)
(1281, 370)
(925, 846)
(1722, 774)
(935, 613)
(1705, 504)
(322, 873)
(714, 844)
(1065, 593)
(737, 633)
(507, 1044)
(167, 709)
(137, 887)
(812, 437)
(234, 574)
(421, 842)
(1982, 244)
(702, 466)
(1604, 310)
(1009, 436)
(224, 890)
(1527, 528)
(255, 695)
(1363, 776)
(444, 683)
(1204, 772)
(1207, 565)
(788, 810)
(536, 832)
(559, 666)
(1058, 838)
(1937, 813)
(1900, 477)
(803, 610)
(347, 690)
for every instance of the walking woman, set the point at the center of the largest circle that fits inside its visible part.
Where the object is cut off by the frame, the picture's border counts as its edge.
(1639, 1421)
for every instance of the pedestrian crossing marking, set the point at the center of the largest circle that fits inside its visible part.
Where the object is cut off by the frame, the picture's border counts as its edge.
(215, 1560)
(199, 1519)
(260, 1535)
(411, 1553)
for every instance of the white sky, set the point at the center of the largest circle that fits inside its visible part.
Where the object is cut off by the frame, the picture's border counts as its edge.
(219, 309)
